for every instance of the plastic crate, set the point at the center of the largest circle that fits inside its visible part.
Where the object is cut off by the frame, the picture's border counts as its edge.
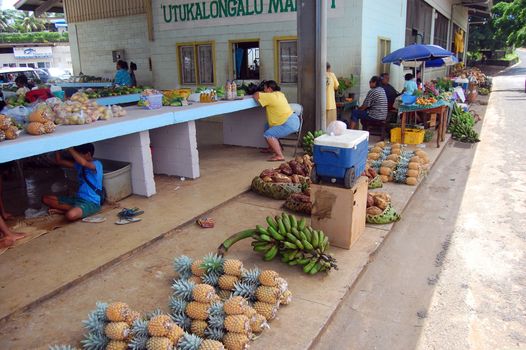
(411, 137)
(408, 99)
(153, 101)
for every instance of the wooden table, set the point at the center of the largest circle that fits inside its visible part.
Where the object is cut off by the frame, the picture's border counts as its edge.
(441, 111)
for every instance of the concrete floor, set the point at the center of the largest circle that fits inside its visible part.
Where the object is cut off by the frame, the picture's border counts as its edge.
(133, 263)
(451, 273)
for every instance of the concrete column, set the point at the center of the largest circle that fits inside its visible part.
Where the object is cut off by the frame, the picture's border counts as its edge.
(174, 149)
(312, 58)
(245, 128)
(135, 149)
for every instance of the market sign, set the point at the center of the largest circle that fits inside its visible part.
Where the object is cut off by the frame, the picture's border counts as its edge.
(33, 52)
(177, 14)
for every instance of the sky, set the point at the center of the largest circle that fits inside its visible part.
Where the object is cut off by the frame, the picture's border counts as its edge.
(8, 4)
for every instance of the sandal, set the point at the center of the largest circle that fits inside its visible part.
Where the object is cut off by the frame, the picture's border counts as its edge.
(129, 213)
(94, 219)
(276, 159)
(124, 221)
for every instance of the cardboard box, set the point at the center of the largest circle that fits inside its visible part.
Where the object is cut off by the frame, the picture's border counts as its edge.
(340, 212)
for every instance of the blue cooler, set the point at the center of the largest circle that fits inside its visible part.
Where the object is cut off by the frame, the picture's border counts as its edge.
(340, 158)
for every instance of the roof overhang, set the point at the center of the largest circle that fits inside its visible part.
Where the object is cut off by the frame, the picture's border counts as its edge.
(479, 8)
(40, 6)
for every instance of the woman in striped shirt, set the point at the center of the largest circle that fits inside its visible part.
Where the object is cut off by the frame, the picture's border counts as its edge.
(374, 106)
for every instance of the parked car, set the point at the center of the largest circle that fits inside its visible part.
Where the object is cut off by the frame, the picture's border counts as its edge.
(43, 75)
(8, 75)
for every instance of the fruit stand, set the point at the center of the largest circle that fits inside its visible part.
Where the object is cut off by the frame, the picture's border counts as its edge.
(440, 107)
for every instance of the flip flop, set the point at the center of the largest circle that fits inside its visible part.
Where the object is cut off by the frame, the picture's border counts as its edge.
(125, 221)
(276, 159)
(128, 213)
(94, 219)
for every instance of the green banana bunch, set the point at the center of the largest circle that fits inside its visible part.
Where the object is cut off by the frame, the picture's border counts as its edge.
(461, 126)
(292, 239)
(308, 140)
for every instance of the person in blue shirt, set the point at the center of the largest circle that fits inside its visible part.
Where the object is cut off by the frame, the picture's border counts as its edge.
(87, 201)
(122, 77)
(410, 84)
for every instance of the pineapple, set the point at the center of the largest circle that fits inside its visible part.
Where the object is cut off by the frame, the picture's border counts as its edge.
(237, 324)
(269, 295)
(60, 347)
(267, 310)
(183, 266)
(189, 342)
(286, 297)
(216, 315)
(198, 327)
(282, 284)
(211, 278)
(160, 326)
(175, 334)
(258, 324)
(203, 293)
(251, 313)
(228, 282)
(183, 289)
(132, 316)
(246, 290)
(197, 311)
(117, 345)
(94, 341)
(182, 320)
(268, 278)
(197, 270)
(233, 267)
(117, 330)
(209, 344)
(213, 263)
(251, 276)
(215, 333)
(235, 341)
(117, 312)
(235, 306)
(177, 305)
(159, 343)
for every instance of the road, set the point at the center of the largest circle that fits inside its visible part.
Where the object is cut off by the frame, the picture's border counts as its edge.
(452, 273)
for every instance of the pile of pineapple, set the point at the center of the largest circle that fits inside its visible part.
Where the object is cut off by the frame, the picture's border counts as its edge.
(395, 163)
(8, 130)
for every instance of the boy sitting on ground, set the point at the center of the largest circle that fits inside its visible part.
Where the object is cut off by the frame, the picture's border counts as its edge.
(89, 173)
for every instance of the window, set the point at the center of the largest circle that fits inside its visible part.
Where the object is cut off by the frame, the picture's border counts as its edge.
(441, 29)
(384, 49)
(287, 60)
(418, 23)
(245, 59)
(43, 65)
(32, 65)
(22, 65)
(196, 63)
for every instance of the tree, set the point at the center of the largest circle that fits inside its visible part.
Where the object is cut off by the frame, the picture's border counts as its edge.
(29, 23)
(7, 20)
(509, 21)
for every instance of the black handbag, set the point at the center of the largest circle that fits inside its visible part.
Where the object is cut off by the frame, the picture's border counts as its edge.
(101, 192)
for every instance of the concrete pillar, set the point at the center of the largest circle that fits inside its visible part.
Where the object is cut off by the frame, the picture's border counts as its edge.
(312, 58)
(174, 149)
(245, 128)
(135, 149)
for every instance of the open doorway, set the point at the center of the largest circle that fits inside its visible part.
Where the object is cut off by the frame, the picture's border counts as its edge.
(245, 60)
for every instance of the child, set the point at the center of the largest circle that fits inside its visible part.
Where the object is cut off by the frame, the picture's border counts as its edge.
(88, 198)
(22, 84)
(410, 84)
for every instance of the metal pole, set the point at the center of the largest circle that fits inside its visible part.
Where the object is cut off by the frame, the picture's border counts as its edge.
(321, 62)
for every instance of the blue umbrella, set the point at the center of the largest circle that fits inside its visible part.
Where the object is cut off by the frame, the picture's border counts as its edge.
(416, 52)
(439, 62)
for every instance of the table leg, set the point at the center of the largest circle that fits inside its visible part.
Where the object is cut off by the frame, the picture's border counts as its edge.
(444, 127)
(174, 149)
(135, 149)
(404, 116)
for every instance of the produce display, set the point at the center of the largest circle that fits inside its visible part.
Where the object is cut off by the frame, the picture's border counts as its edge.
(16, 101)
(84, 79)
(308, 141)
(112, 91)
(426, 101)
(299, 202)
(379, 209)
(41, 120)
(8, 129)
(461, 126)
(80, 110)
(394, 163)
(176, 97)
(374, 180)
(290, 177)
(292, 239)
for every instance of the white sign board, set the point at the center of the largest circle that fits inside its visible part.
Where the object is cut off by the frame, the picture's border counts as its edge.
(33, 52)
(179, 14)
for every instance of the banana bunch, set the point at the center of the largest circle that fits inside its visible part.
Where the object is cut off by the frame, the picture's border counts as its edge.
(293, 240)
(308, 140)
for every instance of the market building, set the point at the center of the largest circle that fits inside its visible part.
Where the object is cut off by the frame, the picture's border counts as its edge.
(188, 43)
(36, 55)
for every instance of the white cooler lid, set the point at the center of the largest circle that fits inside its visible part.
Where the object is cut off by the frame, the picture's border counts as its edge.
(349, 139)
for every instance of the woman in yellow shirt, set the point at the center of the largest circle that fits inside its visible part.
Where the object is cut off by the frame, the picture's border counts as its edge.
(281, 119)
(332, 86)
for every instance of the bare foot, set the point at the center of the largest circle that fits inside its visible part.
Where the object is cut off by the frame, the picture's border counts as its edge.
(276, 159)
(55, 211)
(6, 243)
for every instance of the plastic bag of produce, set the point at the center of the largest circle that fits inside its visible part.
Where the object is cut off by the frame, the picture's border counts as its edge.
(20, 113)
(42, 113)
(388, 216)
(336, 128)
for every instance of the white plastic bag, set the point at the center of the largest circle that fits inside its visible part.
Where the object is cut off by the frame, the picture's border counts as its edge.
(20, 113)
(336, 128)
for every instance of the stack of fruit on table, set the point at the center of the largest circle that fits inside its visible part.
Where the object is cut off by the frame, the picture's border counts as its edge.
(176, 97)
(218, 299)
(41, 120)
(379, 209)
(16, 101)
(290, 177)
(396, 163)
(292, 239)
(8, 129)
(308, 141)
(426, 101)
(80, 110)
(112, 91)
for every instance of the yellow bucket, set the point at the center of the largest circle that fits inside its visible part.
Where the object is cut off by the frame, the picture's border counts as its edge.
(411, 137)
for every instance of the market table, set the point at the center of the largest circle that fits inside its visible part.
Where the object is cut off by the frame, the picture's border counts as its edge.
(440, 108)
(169, 131)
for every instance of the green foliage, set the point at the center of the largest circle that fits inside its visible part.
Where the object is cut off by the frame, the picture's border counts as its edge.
(347, 83)
(509, 21)
(34, 37)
